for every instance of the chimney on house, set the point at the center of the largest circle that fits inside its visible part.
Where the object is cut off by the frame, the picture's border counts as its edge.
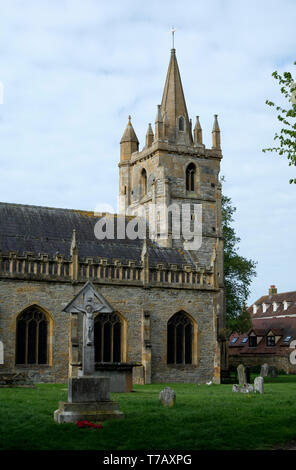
(272, 290)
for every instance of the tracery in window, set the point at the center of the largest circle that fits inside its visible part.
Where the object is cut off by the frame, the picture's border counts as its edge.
(179, 339)
(108, 337)
(32, 337)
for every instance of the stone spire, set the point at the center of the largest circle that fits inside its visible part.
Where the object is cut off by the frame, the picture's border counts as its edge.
(197, 132)
(173, 101)
(149, 136)
(216, 134)
(129, 142)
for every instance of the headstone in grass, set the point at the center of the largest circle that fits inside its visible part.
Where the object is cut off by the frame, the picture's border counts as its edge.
(273, 371)
(264, 370)
(167, 397)
(259, 384)
(241, 374)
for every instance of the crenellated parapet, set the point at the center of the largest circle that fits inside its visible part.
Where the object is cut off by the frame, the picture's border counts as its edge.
(101, 270)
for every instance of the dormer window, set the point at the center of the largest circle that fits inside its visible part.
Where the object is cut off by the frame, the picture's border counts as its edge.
(255, 308)
(286, 304)
(275, 306)
(265, 307)
(181, 123)
(270, 340)
(252, 341)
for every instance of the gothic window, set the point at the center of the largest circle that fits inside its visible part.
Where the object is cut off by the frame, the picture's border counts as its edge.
(179, 339)
(190, 176)
(144, 182)
(31, 337)
(107, 335)
(181, 123)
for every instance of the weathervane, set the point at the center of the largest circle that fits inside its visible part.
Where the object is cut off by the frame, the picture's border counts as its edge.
(173, 36)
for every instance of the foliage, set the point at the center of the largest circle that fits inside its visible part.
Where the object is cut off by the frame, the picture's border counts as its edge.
(204, 417)
(242, 323)
(287, 136)
(238, 272)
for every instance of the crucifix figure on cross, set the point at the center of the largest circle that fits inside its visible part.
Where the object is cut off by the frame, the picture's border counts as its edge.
(89, 309)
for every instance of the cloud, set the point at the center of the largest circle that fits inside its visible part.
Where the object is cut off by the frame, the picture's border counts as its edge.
(73, 71)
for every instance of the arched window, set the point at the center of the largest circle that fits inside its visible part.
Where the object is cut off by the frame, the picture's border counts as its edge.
(181, 123)
(108, 334)
(190, 177)
(32, 337)
(179, 339)
(144, 182)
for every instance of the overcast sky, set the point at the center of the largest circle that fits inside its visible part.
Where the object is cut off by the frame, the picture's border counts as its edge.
(72, 72)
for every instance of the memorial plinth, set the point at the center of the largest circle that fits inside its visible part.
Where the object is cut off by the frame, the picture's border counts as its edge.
(88, 399)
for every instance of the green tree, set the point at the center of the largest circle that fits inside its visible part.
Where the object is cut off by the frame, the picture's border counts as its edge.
(238, 272)
(287, 136)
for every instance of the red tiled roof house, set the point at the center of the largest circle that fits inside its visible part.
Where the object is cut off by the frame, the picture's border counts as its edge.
(272, 338)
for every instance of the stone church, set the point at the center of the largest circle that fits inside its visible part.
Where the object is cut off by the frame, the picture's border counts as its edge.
(167, 307)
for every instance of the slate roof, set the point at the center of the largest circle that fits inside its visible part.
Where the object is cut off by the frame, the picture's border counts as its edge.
(47, 230)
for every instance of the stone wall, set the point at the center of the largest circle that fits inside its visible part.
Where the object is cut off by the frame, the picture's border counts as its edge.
(130, 301)
(280, 362)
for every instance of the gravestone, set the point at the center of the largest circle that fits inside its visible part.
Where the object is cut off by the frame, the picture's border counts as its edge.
(273, 371)
(167, 397)
(259, 384)
(264, 370)
(241, 374)
(88, 395)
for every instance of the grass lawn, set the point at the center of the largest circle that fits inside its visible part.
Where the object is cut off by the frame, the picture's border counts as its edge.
(205, 417)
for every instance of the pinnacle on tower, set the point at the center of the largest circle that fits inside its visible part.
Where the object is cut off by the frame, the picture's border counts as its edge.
(158, 124)
(165, 125)
(129, 142)
(149, 136)
(197, 132)
(216, 134)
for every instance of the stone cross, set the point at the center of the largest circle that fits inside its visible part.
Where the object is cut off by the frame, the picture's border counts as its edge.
(89, 309)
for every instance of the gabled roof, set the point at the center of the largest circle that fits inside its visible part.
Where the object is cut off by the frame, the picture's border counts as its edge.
(279, 299)
(283, 327)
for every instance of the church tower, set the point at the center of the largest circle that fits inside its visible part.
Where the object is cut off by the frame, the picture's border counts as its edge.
(175, 168)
